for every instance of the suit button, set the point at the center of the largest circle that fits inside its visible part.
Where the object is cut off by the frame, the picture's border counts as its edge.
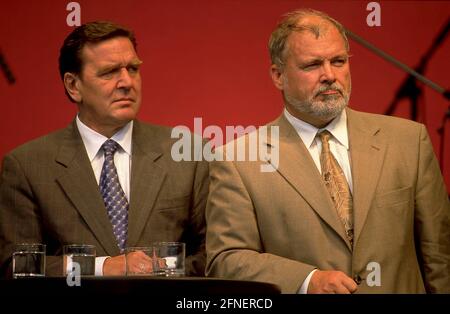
(357, 279)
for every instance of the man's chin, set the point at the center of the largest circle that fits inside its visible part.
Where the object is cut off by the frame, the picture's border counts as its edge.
(126, 113)
(123, 119)
(329, 113)
(322, 110)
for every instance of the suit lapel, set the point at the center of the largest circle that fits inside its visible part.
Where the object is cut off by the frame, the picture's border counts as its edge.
(79, 184)
(298, 168)
(367, 153)
(146, 181)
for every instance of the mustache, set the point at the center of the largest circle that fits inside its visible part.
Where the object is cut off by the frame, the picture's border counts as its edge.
(332, 87)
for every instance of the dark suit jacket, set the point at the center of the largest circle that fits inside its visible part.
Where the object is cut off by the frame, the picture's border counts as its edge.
(278, 226)
(48, 194)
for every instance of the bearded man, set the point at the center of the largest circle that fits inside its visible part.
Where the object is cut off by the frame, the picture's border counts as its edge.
(357, 202)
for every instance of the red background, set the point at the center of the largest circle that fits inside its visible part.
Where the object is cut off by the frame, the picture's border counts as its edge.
(209, 59)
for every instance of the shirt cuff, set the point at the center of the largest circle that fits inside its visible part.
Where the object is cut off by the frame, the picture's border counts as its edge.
(99, 261)
(304, 288)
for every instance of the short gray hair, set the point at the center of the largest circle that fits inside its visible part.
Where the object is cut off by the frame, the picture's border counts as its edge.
(292, 23)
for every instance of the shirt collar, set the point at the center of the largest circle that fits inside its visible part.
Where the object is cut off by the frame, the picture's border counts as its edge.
(307, 132)
(93, 140)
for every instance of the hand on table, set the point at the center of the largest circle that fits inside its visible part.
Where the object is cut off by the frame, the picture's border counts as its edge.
(138, 263)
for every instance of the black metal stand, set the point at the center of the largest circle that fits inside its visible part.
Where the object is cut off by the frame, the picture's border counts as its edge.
(6, 70)
(410, 88)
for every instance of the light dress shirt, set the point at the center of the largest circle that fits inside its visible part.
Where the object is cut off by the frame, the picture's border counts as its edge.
(339, 147)
(93, 142)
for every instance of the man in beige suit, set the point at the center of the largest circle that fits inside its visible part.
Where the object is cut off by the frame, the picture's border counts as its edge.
(356, 201)
(56, 189)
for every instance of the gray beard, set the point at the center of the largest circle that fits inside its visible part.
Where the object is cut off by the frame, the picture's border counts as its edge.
(326, 109)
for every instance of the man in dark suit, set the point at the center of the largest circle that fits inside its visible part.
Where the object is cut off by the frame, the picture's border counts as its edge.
(355, 202)
(107, 179)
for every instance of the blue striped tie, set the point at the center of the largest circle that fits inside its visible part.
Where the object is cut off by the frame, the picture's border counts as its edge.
(115, 200)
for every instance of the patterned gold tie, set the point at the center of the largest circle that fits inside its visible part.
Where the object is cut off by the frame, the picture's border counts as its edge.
(337, 185)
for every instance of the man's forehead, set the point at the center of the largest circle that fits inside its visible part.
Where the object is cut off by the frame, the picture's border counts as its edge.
(314, 20)
(109, 42)
(315, 25)
(110, 51)
(306, 42)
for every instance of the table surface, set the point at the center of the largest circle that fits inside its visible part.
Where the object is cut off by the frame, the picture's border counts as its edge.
(134, 285)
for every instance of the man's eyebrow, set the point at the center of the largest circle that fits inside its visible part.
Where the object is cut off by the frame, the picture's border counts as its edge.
(136, 62)
(319, 59)
(341, 55)
(311, 60)
(114, 66)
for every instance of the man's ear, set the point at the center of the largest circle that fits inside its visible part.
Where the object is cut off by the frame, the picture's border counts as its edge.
(276, 73)
(71, 83)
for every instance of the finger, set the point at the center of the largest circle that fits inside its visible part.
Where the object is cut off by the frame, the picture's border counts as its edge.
(140, 254)
(138, 257)
(341, 289)
(342, 283)
(143, 267)
(139, 263)
(145, 258)
(133, 256)
(350, 284)
(162, 262)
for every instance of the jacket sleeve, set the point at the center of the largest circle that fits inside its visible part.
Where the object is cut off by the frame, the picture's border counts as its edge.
(19, 216)
(432, 220)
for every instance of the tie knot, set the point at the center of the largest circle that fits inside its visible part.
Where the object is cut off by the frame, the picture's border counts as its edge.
(110, 146)
(324, 136)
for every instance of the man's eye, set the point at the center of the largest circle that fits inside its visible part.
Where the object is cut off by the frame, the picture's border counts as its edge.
(133, 69)
(339, 62)
(108, 74)
(310, 67)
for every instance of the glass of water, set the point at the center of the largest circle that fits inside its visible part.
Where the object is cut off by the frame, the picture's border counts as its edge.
(79, 259)
(28, 260)
(169, 259)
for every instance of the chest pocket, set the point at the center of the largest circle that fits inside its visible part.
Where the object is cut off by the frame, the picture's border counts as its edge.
(394, 198)
(173, 202)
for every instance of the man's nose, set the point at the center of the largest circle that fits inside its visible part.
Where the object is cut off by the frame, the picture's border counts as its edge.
(124, 80)
(327, 75)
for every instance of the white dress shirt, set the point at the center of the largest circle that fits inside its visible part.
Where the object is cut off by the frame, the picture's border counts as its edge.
(93, 142)
(339, 147)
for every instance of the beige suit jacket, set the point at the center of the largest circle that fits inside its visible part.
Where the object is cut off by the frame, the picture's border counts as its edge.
(49, 194)
(278, 226)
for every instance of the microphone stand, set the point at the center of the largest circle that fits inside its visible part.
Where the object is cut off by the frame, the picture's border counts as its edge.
(409, 88)
(6, 70)
(404, 67)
